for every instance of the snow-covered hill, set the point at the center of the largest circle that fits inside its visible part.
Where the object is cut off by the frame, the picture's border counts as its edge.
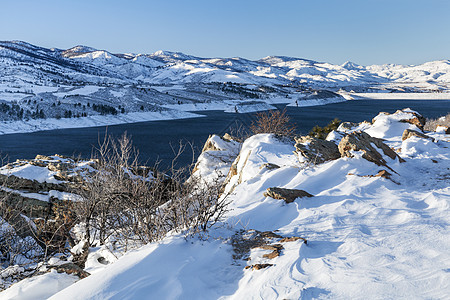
(38, 83)
(375, 224)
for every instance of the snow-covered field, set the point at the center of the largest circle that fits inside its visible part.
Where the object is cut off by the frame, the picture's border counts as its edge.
(368, 237)
(91, 121)
(401, 96)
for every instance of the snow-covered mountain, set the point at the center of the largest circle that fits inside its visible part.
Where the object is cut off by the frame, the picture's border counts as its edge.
(40, 83)
(82, 63)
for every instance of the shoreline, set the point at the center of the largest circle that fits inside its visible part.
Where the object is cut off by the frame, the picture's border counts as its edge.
(397, 96)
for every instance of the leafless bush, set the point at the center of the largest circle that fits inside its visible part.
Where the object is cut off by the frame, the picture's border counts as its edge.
(274, 121)
(18, 243)
(431, 124)
(123, 205)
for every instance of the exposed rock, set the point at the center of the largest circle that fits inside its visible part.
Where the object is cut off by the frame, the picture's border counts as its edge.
(288, 195)
(316, 150)
(443, 129)
(370, 146)
(275, 248)
(245, 240)
(272, 255)
(417, 119)
(79, 259)
(19, 183)
(258, 266)
(410, 133)
(70, 268)
(292, 239)
(269, 166)
(344, 126)
(384, 174)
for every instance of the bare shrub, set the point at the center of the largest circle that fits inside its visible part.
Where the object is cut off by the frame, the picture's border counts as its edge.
(431, 124)
(128, 207)
(18, 242)
(273, 121)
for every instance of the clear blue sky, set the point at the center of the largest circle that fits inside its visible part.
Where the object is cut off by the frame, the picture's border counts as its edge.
(363, 31)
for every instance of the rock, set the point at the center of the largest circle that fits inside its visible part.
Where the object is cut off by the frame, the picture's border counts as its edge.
(292, 239)
(269, 166)
(417, 119)
(410, 133)
(384, 174)
(272, 255)
(316, 150)
(79, 259)
(370, 146)
(258, 266)
(443, 129)
(288, 195)
(344, 126)
(43, 157)
(70, 268)
(276, 250)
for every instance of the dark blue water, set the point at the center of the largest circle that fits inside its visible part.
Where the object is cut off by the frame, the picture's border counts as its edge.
(155, 140)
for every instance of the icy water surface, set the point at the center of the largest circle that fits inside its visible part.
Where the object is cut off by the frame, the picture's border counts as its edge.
(156, 139)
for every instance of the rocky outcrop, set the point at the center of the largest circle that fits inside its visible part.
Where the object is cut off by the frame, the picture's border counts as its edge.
(316, 150)
(269, 166)
(258, 266)
(416, 118)
(372, 148)
(443, 129)
(410, 133)
(70, 268)
(288, 195)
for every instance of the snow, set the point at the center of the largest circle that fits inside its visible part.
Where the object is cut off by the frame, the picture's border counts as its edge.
(401, 96)
(86, 90)
(368, 237)
(178, 269)
(41, 174)
(91, 121)
(39, 287)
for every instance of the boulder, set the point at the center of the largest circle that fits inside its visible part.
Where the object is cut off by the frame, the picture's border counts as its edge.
(410, 133)
(269, 166)
(293, 239)
(443, 129)
(258, 266)
(416, 118)
(316, 150)
(370, 146)
(70, 268)
(288, 195)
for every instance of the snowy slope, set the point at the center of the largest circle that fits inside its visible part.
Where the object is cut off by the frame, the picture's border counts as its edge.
(38, 83)
(367, 237)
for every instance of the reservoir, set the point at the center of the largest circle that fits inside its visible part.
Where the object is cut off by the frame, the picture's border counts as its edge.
(156, 140)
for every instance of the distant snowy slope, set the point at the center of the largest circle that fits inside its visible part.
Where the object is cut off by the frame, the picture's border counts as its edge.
(186, 68)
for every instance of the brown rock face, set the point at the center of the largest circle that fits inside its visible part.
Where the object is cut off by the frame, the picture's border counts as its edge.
(417, 119)
(316, 150)
(258, 266)
(445, 129)
(71, 268)
(288, 195)
(292, 239)
(370, 146)
(410, 133)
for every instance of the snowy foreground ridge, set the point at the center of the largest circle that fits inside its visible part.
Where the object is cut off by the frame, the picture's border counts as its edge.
(363, 234)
